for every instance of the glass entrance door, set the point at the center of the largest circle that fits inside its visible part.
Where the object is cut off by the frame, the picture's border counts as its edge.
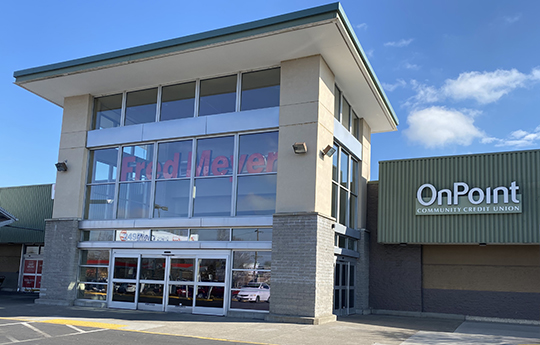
(182, 282)
(344, 279)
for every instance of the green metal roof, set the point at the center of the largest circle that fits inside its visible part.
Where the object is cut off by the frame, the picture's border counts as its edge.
(284, 21)
(30, 205)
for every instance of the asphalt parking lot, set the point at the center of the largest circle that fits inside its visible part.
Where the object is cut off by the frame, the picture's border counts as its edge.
(22, 321)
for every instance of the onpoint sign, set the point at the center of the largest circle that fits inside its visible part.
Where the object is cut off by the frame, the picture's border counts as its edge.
(462, 199)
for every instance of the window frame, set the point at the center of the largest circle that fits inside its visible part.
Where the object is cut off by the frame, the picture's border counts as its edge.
(197, 95)
(337, 184)
(192, 178)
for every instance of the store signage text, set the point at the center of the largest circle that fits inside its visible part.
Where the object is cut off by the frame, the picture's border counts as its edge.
(133, 170)
(462, 199)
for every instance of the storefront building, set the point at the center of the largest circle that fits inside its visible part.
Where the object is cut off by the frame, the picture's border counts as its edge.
(457, 235)
(221, 173)
(23, 211)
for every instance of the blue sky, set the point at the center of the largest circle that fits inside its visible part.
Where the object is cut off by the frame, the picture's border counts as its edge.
(462, 76)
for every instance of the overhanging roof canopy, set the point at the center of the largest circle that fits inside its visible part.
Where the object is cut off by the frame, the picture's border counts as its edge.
(322, 30)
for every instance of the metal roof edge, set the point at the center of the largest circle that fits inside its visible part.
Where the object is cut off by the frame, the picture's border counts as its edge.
(154, 49)
(460, 155)
(350, 30)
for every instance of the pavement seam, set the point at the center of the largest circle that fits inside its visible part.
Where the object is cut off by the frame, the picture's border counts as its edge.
(196, 337)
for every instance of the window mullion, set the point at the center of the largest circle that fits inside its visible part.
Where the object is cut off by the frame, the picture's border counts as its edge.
(235, 173)
(123, 112)
(158, 104)
(238, 91)
(197, 97)
(192, 180)
(117, 183)
(153, 181)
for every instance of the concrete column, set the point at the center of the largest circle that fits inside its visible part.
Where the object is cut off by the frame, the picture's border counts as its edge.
(303, 237)
(365, 170)
(60, 263)
(70, 185)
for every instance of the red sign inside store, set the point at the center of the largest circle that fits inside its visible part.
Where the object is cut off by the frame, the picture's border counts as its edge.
(30, 266)
(39, 266)
(29, 282)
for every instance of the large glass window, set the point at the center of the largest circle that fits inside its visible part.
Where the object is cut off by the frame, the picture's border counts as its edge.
(93, 274)
(134, 191)
(101, 189)
(218, 95)
(250, 286)
(260, 89)
(345, 174)
(107, 111)
(141, 106)
(173, 183)
(177, 101)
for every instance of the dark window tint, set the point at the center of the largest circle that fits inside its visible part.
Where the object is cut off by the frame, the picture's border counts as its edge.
(141, 106)
(260, 89)
(107, 111)
(218, 96)
(177, 101)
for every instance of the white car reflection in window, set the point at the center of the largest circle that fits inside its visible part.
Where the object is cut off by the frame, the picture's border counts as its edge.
(254, 292)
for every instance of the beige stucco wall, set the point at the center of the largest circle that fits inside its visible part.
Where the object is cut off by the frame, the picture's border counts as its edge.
(365, 166)
(69, 193)
(306, 115)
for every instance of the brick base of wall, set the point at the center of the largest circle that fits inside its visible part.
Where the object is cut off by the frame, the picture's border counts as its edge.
(60, 263)
(302, 268)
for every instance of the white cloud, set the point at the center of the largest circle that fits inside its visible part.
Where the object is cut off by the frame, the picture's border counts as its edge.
(486, 87)
(439, 126)
(399, 44)
(483, 87)
(519, 138)
(392, 87)
(411, 66)
(512, 19)
(362, 26)
(369, 53)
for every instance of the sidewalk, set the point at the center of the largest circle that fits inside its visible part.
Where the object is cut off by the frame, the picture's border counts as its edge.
(359, 330)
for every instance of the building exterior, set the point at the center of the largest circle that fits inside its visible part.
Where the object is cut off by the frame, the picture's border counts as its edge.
(174, 198)
(23, 211)
(457, 235)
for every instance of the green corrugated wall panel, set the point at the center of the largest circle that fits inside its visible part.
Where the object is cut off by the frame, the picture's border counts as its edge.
(31, 205)
(399, 180)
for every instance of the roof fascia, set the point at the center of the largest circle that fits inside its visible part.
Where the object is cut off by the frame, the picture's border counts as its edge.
(362, 54)
(289, 20)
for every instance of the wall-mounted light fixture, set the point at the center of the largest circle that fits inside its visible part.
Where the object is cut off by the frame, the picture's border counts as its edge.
(329, 151)
(299, 148)
(61, 166)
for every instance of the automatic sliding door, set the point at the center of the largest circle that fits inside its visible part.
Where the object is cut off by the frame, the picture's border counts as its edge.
(124, 287)
(151, 283)
(211, 275)
(181, 285)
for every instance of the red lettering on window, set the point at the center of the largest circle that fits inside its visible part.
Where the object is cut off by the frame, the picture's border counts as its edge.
(221, 162)
(170, 168)
(241, 163)
(255, 163)
(204, 164)
(140, 167)
(127, 167)
(270, 160)
(149, 170)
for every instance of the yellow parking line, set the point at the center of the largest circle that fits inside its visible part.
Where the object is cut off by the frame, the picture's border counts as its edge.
(70, 322)
(84, 323)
